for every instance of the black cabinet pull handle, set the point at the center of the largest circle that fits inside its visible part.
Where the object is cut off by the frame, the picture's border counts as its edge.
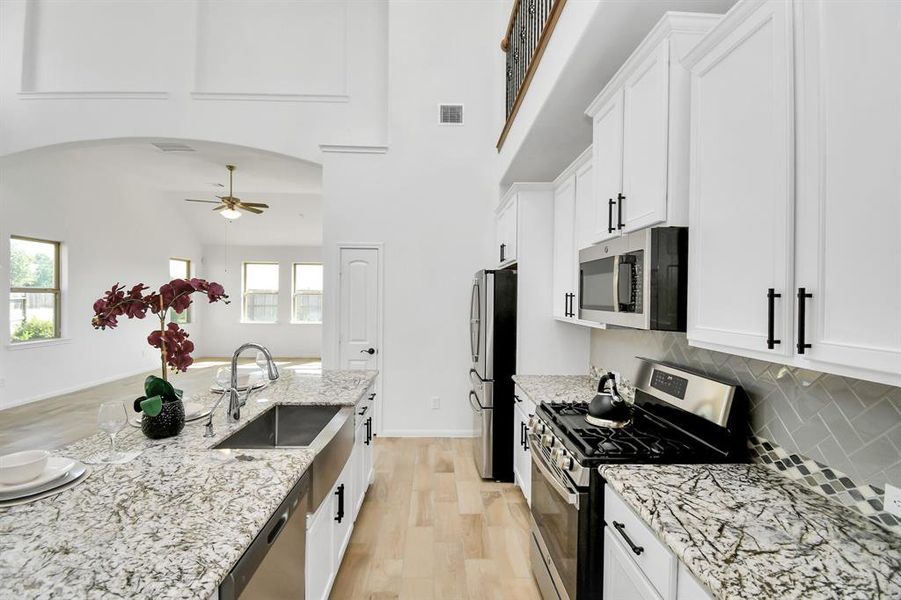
(771, 296)
(503, 252)
(565, 305)
(363, 412)
(522, 435)
(610, 204)
(803, 295)
(517, 398)
(372, 396)
(368, 431)
(622, 531)
(619, 211)
(340, 493)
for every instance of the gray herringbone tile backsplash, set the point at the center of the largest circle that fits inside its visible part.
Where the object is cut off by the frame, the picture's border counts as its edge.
(849, 424)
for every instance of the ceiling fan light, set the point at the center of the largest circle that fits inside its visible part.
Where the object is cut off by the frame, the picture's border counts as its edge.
(230, 213)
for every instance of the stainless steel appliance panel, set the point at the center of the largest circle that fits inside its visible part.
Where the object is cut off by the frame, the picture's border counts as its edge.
(555, 511)
(272, 567)
(484, 447)
(481, 324)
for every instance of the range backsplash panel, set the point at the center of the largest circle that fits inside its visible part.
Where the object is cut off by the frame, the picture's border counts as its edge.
(849, 424)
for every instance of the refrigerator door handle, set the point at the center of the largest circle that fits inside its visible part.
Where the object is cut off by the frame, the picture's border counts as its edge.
(475, 404)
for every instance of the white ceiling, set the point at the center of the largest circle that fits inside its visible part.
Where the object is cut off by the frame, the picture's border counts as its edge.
(290, 186)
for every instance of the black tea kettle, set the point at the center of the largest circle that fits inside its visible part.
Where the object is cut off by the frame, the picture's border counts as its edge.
(608, 409)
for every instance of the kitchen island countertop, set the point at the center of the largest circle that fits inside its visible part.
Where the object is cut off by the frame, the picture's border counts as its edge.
(172, 522)
(747, 532)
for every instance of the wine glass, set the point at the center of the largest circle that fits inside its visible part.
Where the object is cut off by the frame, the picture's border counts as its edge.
(112, 418)
(223, 378)
(262, 363)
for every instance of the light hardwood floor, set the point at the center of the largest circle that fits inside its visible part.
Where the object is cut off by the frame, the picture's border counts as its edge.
(430, 528)
(59, 421)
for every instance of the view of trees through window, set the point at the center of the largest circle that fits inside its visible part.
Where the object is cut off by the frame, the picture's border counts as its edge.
(307, 293)
(33, 289)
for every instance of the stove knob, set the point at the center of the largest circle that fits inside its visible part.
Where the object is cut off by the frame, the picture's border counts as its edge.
(564, 461)
(534, 423)
(539, 428)
(547, 440)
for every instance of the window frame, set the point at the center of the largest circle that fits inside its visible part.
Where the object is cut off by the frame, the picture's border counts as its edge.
(295, 292)
(245, 293)
(56, 290)
(188, 316)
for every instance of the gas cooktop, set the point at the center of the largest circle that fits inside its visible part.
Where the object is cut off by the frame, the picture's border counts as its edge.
(646, 439)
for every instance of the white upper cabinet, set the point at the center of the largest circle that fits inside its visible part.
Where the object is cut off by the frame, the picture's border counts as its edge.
(640, 133)
(506, 230)
(809, 208)
(741, 185)
(849, 184)
(646, 113)
(607, 158)
(564, 246)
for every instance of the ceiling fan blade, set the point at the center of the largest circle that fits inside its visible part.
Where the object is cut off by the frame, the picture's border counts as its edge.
(249, 209)
(204, 201)
(255, 204)
(221, 207)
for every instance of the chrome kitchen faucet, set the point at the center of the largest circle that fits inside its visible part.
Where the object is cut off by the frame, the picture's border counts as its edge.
(234, 402)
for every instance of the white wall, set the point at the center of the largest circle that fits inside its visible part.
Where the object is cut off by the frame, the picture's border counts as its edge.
(223, 330)
(110, 233)
(429, 199)
(275, 75)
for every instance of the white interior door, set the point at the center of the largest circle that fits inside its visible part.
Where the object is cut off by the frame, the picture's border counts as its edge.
(645, 127)
(849, 212)
(741, 186)
(359, 308)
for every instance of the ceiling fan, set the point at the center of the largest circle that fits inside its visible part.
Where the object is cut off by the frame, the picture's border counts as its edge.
(231, 206)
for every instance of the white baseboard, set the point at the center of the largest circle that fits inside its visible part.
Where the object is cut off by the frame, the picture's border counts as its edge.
(81, 387)
(429, 433)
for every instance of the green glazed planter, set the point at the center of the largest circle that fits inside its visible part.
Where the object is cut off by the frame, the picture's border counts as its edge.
(168, 423)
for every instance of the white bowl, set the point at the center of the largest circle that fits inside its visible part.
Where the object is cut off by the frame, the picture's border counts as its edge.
(22, 466)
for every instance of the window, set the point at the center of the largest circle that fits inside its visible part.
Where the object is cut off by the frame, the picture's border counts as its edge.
(260, 292)
(180, 268)
(33, 290)
(307, 294)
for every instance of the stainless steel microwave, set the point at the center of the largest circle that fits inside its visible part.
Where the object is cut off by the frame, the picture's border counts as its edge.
(638, 280)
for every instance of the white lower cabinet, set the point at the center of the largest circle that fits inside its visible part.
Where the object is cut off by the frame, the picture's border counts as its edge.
(689, 588)
(623, 578)
(320, 568)
(523, 411)
(330, 526)
(637, 565)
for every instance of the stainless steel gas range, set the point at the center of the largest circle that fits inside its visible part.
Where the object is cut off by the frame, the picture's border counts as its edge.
(678, 417)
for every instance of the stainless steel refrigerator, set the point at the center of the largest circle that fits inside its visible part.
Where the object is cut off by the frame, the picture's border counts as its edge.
(492, 336)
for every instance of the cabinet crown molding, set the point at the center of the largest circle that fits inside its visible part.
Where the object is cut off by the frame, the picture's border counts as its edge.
(574, 166)
(734, 17)
(523, 186)
(672, 23)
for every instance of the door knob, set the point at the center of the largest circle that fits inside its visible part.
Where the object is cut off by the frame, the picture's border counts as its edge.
(369, 351)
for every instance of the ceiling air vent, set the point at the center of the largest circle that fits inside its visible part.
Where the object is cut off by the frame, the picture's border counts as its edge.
(173, 147)
(450, 114)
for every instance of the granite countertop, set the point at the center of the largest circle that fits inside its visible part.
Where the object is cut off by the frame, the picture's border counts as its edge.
(172, 522)
(747, 532)
(557, 388)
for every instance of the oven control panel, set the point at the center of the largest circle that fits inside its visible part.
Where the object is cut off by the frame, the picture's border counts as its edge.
(671, 384)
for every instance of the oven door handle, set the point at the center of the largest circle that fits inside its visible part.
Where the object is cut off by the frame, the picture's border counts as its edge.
(616, 263)
(567, 494)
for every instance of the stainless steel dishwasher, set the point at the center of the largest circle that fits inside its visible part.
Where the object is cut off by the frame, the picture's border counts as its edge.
(273, 565)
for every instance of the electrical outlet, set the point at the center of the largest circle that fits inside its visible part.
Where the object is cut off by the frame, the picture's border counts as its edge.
(436, 402)
(892, 501)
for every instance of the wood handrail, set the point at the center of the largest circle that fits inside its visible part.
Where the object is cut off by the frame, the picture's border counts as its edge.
(505, 43)
(544, 37)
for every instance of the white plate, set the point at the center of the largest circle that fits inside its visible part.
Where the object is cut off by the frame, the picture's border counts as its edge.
(57, 466)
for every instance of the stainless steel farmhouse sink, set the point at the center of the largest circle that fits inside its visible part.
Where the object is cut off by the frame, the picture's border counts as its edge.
(282, 426)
